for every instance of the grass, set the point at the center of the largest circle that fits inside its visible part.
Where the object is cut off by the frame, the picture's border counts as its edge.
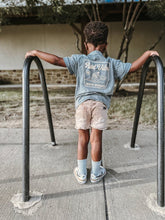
(124, 107)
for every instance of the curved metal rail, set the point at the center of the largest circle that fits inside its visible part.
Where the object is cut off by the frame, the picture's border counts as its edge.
(26, 121)
(160, 121)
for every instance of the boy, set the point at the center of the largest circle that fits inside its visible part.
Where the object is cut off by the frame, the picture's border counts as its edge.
(95, 78)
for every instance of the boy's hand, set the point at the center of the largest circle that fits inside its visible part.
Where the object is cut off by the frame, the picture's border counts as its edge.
(153, 53)
(30, 53)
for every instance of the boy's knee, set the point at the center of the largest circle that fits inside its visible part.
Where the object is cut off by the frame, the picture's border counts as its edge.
(96, 136)
(96, 133)
(84, 136)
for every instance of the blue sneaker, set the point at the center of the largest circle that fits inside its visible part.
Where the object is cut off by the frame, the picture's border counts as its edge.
(96, 179)
(82, 179)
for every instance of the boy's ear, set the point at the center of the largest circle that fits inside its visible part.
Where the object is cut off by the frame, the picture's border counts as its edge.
(105, 47)
(86, 46)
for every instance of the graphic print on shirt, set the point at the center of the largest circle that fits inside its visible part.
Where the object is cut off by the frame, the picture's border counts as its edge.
(96, 74)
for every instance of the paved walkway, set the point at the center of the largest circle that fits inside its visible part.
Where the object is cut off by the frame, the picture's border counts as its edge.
(126, 193)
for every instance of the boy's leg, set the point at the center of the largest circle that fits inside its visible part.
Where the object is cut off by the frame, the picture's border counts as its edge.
(83, 140)
(83, 117)
(96, 144)
(98, 172)
(80, 172)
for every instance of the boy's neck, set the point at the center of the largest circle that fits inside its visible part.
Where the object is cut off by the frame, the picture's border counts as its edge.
(90, 48)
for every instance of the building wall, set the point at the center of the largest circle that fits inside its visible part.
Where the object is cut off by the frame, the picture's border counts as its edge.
(53, 76)
(61, 76)
(60, 39)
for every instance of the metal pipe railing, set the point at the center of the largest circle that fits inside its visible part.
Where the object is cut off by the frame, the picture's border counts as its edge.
(160, 121)
(26, 120)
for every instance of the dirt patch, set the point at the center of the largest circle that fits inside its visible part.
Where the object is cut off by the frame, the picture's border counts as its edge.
(120, 115)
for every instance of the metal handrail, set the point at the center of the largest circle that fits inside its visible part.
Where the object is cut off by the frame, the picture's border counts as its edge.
(160, 121)
(26, 121)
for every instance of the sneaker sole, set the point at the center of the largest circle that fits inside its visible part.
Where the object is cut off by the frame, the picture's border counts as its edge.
(97, 180)
(79, 180)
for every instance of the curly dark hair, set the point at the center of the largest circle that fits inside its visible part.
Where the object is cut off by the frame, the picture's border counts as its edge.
(96, 33)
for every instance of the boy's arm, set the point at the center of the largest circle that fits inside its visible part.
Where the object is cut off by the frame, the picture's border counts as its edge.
(50, 58)
(141, 60)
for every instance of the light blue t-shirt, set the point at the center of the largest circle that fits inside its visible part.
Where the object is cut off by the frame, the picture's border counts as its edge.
(95, 76)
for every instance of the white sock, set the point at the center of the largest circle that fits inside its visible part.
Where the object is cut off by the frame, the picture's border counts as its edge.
(82, 166)
(96, 167)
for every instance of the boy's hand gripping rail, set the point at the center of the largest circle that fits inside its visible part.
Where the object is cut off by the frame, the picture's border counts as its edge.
(26, 121)
(160, 121)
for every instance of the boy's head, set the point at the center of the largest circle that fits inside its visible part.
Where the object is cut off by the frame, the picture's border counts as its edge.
(96, 33)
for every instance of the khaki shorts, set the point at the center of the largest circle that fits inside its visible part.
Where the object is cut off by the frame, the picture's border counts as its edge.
(91, 114)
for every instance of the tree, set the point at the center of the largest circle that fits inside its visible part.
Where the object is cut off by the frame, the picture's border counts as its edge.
(156, 10)
(15, 8)
(82, 11)
(48, 11)
(130, 15)
(91, 9)
(57, 11)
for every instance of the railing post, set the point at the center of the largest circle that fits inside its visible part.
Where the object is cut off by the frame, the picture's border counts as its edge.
(160, 131)
(26, 125)
(26, 121)
(160, 122)
(139, 102)
(46, 99)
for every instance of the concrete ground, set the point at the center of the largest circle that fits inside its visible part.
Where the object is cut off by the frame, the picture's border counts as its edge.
(126, 193)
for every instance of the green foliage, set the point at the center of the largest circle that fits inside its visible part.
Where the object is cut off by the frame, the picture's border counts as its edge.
(53, 11)
(156, 9)
(58, 13)
(14, 10)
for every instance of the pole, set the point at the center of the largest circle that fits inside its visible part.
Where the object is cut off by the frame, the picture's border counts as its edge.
(46, 99)
(26, 125)
(160, 131)
(26, 120)
(160, 122)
